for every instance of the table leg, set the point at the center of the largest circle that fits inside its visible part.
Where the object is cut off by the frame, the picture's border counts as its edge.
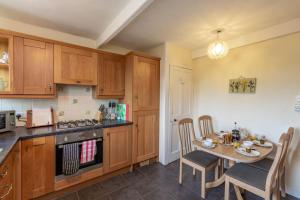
(216, 183)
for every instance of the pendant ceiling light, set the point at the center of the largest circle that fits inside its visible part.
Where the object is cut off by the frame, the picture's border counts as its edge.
(217, 49)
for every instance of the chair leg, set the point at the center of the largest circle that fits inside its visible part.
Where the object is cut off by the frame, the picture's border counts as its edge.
(282, 184)
(226, 195)
(203, 184)
(194, 171)
(180, 172)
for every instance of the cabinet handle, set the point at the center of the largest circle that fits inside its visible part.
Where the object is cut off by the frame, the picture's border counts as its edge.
(50, 87)
(77, 81)
(8, 191)
(2, 175)
(101, 89)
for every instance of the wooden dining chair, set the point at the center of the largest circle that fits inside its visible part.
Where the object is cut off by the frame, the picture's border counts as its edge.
(205, 125)
(266, 164)
(196, 159)
(260, 182)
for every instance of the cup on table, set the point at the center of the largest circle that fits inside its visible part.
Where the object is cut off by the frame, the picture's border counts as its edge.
(208, 142)
(262, 140)
(248, 146)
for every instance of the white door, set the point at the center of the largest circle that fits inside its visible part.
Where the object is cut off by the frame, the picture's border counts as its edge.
(181, 92)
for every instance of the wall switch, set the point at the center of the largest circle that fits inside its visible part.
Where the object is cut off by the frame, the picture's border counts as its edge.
(297, 104)
(75, 101)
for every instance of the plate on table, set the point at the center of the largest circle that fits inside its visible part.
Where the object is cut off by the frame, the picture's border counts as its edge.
(266, 144)
(242, 150)
(209, 147)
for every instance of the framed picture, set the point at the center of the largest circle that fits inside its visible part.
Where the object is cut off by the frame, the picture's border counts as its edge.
(242, 85)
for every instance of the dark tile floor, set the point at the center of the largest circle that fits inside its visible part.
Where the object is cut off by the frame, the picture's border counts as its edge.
(150, 183)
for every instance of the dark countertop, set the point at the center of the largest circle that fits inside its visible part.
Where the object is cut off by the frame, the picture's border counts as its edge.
(9, 139)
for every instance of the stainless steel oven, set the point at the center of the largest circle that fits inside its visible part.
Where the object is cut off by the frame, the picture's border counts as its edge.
(79, 137)
(7, 120)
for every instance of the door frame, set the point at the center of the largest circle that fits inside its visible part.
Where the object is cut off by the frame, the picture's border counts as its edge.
(168, 115)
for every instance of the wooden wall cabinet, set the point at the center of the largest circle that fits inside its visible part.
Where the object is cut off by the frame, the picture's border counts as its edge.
(117, 148)
(145, 135)
(111, 76)
(6, 67)
(74, 66)
(37, 166)
(33, 67)
(145, 84)
(142, 94)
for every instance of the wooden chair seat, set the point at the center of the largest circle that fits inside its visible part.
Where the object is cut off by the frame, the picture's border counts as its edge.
(250, 175)
(201, 158)
(264, 164)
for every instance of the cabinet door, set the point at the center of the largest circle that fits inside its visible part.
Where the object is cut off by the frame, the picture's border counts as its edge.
(117, 148)
(7, 186)
(145, 84)
(37, 167)
(145, 135)
(74, 66)
(33, 71)
(111, 77)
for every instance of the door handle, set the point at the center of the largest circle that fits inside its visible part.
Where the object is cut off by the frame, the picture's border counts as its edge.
(175, 120)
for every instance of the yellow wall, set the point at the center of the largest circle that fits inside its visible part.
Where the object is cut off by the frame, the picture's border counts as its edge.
(270, 111)
(178, 56)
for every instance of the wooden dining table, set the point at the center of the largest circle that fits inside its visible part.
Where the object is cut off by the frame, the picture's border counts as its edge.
(228, 152)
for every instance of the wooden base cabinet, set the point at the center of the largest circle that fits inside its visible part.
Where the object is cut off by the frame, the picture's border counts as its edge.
(37, 166)
(145, 135)
(10, 176)
(117, 148)
(142, 96)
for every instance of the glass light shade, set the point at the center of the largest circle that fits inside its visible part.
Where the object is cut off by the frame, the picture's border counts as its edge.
(217, 50)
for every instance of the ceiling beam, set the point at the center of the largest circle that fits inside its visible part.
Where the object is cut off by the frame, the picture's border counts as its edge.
(289, 27)
(132, 9)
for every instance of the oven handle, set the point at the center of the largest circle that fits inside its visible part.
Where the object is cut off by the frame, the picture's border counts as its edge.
(61, 145)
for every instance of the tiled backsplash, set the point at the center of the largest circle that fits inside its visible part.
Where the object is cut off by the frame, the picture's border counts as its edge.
(74, 102)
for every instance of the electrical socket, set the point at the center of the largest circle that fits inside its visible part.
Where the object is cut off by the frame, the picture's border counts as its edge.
(88, 112)
(75, 101)
(61, 113)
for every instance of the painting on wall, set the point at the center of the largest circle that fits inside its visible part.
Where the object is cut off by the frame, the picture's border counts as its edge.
(242, 85)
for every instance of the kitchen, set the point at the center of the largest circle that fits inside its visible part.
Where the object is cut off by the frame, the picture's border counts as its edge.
(35, 156)
(149, 99)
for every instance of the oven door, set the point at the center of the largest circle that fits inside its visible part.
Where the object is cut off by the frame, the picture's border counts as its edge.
(97, 161)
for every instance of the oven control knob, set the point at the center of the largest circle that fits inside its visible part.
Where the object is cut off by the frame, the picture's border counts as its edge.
(66, 139)
(94, 134)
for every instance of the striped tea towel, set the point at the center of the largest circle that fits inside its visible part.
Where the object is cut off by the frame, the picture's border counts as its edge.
(88, 151)
(70, 158)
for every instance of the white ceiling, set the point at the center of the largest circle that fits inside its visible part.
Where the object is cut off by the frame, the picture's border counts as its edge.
(142, 24)
(189, 23)
(87, 18)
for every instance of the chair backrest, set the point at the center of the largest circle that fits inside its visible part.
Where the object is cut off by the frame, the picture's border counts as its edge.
(290, 132)
(281, 152)
(186, 135)
(205, 125)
